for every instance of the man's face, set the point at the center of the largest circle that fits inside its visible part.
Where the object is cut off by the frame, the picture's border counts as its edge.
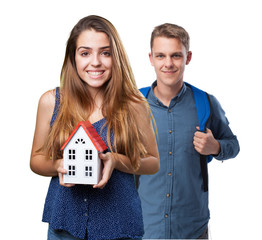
(169, 57)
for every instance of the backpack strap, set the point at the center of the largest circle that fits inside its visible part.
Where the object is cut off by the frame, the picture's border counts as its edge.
(202, 105)
(145, 91)
(204, 109)
(204, 113)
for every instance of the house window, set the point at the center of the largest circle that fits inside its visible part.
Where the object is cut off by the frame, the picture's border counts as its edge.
(80, 140)
(89, 154)
(71, 170)
(71, 154)
(88, 171)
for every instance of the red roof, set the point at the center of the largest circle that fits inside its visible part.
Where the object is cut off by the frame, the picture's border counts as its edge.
(92, 134)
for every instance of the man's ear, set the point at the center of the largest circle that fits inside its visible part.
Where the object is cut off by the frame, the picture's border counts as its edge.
(151, 58)
(189, 57)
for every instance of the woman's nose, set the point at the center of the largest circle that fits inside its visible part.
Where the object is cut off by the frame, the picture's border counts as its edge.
(95, 61)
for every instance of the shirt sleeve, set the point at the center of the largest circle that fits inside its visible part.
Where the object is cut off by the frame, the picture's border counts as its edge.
(219, 125)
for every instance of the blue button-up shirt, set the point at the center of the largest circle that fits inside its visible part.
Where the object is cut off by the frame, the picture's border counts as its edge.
(173, 201)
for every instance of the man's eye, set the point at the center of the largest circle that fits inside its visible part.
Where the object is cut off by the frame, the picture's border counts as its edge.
(160, 56)
(177, 56)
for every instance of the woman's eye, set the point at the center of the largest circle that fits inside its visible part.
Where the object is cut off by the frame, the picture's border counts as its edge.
(84, 54)
(106, 53)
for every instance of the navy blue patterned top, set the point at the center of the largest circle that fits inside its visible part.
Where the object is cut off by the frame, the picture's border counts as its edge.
(109, 213)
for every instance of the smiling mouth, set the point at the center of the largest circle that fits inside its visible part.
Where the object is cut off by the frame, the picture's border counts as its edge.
(95, 73)
(169, 72)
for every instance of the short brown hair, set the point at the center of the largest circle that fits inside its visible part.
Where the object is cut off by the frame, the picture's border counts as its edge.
(169, 30)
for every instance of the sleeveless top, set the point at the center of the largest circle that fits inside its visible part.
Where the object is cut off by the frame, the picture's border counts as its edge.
(109, 213)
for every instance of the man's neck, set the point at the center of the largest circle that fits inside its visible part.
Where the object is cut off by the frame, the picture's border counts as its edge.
(166, 93)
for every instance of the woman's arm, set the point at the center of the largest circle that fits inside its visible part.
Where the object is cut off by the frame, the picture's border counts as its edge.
(149, 164)
(39, 163)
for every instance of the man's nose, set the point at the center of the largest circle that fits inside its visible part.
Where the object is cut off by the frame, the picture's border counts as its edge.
(169, 62)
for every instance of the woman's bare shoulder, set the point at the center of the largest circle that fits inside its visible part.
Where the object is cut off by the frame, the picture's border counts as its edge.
(46, 103)
(47, 99)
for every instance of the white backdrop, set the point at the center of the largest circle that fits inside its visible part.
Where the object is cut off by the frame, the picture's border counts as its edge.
(226, 43)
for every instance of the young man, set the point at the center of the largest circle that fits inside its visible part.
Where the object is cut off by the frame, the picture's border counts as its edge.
(174, 200)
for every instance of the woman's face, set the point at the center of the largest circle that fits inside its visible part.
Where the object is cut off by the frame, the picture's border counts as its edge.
(93, 58)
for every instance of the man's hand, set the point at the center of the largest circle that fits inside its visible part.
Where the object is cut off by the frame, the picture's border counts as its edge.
(205, 143)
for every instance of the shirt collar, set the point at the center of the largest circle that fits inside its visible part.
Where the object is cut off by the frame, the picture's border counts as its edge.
(177, 98)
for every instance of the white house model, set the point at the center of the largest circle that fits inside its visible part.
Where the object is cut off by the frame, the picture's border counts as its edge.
(81, 155)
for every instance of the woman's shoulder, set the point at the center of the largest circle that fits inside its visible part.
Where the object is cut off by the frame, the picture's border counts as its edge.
(48, 97)
(47, 101)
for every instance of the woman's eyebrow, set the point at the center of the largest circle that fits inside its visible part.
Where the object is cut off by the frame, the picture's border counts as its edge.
(91, 48)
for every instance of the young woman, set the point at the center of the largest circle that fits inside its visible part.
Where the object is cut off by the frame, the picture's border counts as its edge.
(97, 84)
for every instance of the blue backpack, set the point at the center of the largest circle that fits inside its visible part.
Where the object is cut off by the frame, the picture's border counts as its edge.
(204, 112)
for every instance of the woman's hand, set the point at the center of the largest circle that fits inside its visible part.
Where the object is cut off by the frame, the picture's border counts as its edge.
(61, 171)
(109, 165)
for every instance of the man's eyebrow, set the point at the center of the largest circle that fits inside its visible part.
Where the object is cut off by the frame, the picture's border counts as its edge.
(173, 53)
(158, 52)
(88, 48)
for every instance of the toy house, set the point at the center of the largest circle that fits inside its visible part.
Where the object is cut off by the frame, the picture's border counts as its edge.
(81, 155)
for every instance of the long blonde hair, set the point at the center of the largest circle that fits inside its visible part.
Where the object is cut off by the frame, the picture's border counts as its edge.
(119, 92)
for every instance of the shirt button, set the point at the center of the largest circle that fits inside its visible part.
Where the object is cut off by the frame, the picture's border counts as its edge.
(169, 110)
(85, 200)
(170, 153)
(168, 195)
(85, 214)
(169, 174)
(166, 215)
(170, 131)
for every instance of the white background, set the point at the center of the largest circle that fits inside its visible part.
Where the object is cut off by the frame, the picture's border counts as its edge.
(226, 43)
